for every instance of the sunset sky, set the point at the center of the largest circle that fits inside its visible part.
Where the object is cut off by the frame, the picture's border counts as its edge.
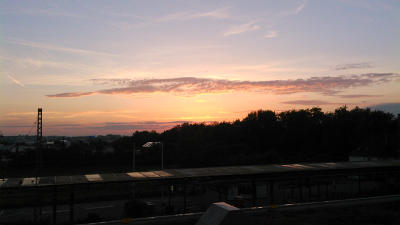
(101, 67)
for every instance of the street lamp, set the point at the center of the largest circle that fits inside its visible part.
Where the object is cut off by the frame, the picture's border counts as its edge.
(133, 157)
(133, 166)
(151, 144)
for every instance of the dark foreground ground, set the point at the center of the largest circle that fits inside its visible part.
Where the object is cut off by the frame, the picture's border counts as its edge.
(371, 214)
(364, 214)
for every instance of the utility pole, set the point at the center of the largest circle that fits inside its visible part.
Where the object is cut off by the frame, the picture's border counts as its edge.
(39, 133)
(39, 125)
(37, 213)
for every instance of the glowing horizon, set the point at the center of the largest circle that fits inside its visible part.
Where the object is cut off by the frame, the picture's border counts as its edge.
(97, 68)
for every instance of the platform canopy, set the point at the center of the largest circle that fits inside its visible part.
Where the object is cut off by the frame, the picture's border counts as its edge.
(208, 172)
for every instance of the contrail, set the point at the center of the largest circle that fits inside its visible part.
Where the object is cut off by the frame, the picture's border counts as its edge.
(16, 81)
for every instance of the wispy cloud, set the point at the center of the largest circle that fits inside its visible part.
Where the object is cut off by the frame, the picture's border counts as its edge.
(271, 34)
(242, 28)
(300, 8)
(189, 86)
(348, 66)
(308, 102)
(120, 113)
(140, 125)
(56, 48)
(39, 63)
(182, 16)
(17, 82)
(216, 14)
(75, 129)
(359, 96)
(42, 12)
(221, 13)
(294, 11)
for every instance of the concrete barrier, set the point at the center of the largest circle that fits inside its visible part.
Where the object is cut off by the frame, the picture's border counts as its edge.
(221, 213)
(216, 214)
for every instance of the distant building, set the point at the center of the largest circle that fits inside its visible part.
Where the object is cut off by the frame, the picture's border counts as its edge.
(108, 149)
(363, 154)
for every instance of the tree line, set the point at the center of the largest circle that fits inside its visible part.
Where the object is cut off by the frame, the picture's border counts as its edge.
(262, 137)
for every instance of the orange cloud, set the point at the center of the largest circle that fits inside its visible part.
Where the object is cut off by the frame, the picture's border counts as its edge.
(192, 85)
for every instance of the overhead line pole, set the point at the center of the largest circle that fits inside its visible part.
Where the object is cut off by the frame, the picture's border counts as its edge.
(39, 133)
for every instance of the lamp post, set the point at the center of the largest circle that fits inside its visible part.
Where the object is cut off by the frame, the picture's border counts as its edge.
(162, 156)
(133, 166)
(151, 144)
(133, 157)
